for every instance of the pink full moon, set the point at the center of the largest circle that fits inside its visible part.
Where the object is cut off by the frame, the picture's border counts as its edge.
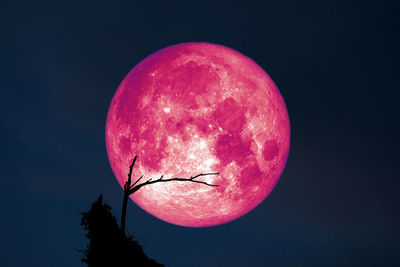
(197, 108)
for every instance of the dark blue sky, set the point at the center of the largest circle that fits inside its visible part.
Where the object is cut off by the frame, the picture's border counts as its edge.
(335, 62)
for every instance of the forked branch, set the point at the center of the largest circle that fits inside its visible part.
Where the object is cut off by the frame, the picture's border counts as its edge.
(130, 188)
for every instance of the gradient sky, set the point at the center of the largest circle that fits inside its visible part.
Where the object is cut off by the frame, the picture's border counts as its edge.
(336, 64)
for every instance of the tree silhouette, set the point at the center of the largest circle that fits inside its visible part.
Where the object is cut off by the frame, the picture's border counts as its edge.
(108, 245)
(130, 188)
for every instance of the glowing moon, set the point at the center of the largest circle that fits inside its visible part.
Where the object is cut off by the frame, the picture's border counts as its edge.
(194, 108)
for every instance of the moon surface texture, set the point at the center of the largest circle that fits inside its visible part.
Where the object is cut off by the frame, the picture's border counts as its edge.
(197, 108)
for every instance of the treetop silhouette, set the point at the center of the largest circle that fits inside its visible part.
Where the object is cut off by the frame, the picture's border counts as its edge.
(108, 245)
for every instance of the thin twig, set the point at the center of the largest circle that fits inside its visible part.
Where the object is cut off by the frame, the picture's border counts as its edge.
(140, 178)
(128, 183)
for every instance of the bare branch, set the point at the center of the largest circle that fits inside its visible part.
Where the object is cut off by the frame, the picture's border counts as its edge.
(130, 188)
(161, 180)
(127, 187)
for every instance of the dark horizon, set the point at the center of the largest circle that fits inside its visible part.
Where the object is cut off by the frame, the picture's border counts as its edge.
(335, 64)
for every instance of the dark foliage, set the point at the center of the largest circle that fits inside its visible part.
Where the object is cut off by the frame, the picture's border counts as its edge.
(108, 245)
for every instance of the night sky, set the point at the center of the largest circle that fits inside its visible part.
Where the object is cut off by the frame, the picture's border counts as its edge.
(336, 64)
